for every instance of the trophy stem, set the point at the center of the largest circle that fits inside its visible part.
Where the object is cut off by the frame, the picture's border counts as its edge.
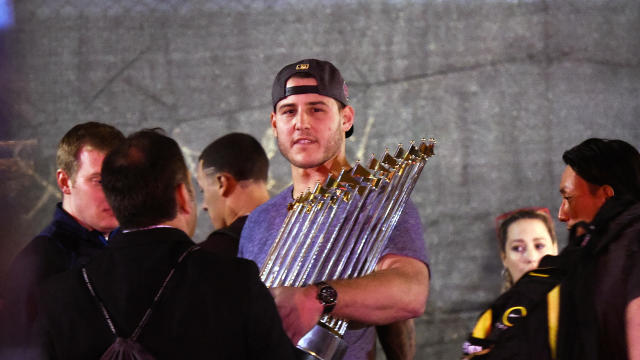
(321, 344)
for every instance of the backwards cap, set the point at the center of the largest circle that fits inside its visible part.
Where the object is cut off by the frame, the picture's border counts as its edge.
(330, 82)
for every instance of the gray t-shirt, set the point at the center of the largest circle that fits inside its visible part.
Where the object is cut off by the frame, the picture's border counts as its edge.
(264, 223)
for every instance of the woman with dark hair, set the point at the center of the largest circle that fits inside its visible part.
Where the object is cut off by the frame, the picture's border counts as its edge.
(524, 237)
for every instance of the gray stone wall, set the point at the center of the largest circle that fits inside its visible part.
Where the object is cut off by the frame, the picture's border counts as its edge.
(505, 87)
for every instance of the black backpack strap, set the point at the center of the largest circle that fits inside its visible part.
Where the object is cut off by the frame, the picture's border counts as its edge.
(147, 314)
(105, 313)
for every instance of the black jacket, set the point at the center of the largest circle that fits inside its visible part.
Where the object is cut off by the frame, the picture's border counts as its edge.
(225, 241)
(64, 244)
(604, 277)
(213, 306)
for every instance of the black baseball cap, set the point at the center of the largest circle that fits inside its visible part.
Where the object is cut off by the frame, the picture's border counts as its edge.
(330, 82)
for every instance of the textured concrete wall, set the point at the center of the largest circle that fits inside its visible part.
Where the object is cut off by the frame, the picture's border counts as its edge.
(505, 87)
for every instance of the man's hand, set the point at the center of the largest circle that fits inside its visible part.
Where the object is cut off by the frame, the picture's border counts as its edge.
(299, 309)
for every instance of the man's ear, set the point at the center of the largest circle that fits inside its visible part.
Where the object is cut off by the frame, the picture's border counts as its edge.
(64, 181)
(348, 115)
(184, 199)
(226, 183)
(608, 191)
(273, 125)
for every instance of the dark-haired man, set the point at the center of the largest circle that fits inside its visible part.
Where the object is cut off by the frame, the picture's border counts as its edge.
(211, 307)
(232, 173)
(80, 228)
(311, 118)
(600, 298)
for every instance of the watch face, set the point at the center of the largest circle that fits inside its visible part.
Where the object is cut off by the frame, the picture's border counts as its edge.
(327, 295)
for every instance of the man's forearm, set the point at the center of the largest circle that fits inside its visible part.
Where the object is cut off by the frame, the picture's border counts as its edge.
(397, 290)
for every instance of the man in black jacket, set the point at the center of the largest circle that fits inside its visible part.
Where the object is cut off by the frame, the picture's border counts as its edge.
(212, 306)
(585, 302)
(600, 297)
(80, 228)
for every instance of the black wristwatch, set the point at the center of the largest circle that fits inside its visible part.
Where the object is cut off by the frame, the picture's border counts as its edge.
(327, 296)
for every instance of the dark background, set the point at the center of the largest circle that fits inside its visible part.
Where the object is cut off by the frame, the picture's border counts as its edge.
(504, 86)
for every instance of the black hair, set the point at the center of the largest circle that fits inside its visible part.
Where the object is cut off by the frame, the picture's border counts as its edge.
(240, 155)
(139, 179)
(607, 162)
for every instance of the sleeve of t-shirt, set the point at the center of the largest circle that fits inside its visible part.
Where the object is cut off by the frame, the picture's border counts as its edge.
(261, 228)
(407, 237)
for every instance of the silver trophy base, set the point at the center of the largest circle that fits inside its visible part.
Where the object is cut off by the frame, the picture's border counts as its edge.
(320, 343)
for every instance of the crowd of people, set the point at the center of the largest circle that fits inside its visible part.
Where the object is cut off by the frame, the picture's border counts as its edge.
(118, 270)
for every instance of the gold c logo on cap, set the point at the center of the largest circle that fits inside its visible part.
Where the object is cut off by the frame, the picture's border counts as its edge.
(302, 66)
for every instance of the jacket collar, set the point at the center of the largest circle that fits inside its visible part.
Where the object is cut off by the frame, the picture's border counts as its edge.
(64, 223)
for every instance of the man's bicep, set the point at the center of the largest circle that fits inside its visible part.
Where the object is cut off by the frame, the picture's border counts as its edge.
(403, 263)
(407, 277)
(413, 273)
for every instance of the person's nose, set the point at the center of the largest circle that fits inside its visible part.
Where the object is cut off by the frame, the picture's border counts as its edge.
(563, 213)
(530, 256)
(302, 120)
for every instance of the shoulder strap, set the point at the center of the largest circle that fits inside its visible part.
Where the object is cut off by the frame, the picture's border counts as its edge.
(147, 314)
(105, 313)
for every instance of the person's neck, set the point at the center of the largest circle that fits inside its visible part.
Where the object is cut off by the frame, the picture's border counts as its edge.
(66, 206)
(179, 222)
(248, 196)
(306, 179)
